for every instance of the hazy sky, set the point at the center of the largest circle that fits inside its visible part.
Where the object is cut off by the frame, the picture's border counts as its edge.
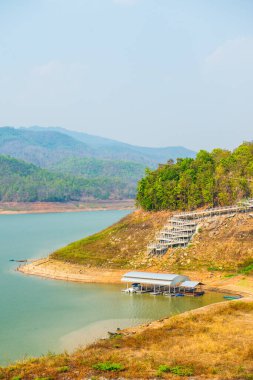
(147, 72)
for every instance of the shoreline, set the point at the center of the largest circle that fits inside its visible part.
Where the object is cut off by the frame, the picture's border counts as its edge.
(59, 270)
(206, 329)
(14, 208)
(204, 324)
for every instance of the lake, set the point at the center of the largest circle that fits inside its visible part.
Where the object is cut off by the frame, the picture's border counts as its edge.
(40, 315)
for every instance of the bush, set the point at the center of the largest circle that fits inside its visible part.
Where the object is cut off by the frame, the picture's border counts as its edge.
(176, 370)
(246, 267)
(63, 369)
(108, 366)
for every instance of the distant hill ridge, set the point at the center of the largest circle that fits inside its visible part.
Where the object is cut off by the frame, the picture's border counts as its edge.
(77, 165)
(47, 146)
(24, 182)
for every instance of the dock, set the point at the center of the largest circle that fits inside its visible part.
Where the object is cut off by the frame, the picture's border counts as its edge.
(161, 284)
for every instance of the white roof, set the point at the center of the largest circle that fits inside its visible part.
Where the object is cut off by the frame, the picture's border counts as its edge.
(151, 276)
(154, 278)
(190, 284)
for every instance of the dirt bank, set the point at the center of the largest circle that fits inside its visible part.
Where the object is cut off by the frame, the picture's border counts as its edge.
(8, 208)
(222, 244)
(59, 270)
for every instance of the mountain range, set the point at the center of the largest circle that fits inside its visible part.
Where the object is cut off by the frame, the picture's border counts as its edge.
(46, 146)
(70, 156)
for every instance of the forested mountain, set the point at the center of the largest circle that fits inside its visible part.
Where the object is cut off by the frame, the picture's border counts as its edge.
(77, 165)
(211, 179)
(112, 149)
(94, 168)
(42, 148)
(20, 181)
(46, 147)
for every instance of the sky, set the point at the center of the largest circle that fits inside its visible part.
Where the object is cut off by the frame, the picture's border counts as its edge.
(146, 72)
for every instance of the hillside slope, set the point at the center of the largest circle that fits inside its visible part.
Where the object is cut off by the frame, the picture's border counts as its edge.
(223, 243)
(126, 171)
(121, 245)
(24, 182)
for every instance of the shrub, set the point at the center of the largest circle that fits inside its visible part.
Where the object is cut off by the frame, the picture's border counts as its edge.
(63, 369)
(108, 366)
(176, 370)
(214, 269)
(247, 269)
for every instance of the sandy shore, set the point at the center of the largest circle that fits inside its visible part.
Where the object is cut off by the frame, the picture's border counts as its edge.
(8, 208)
(60, 270)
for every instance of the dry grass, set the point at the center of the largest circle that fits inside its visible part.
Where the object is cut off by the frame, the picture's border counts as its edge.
(223, 244)
(215, 342)
(122, 245)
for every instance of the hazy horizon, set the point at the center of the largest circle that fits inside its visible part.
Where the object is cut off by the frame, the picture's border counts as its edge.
(148, 73)
(113, 139)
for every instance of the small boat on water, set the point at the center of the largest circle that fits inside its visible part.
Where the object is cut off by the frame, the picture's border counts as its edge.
(198, 294)
(232, 297)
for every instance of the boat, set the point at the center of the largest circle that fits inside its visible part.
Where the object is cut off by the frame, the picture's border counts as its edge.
(129, 290)
(198, 294)
(232, 297)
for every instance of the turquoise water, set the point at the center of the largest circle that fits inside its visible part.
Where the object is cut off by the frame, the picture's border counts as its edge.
(40, 315)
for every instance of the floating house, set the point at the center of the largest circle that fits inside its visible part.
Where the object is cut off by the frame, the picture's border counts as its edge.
(155, 283)
(191, 287)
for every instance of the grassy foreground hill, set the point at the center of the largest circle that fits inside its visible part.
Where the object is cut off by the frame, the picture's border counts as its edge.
(194, 345)
(222, 244)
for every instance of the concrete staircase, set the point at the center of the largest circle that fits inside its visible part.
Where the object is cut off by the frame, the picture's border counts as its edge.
(180, 229)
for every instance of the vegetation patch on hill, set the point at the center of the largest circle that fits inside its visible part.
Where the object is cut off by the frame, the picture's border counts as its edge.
(195, 344)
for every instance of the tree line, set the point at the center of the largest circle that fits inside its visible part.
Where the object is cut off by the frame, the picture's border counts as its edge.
(216, 178)
(24, 182)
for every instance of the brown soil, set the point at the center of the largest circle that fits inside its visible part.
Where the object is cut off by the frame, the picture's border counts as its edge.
(48, 207)
(59, 270)
(222, 244)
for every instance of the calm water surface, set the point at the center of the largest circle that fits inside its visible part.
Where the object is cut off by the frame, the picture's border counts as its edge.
(37, 315)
